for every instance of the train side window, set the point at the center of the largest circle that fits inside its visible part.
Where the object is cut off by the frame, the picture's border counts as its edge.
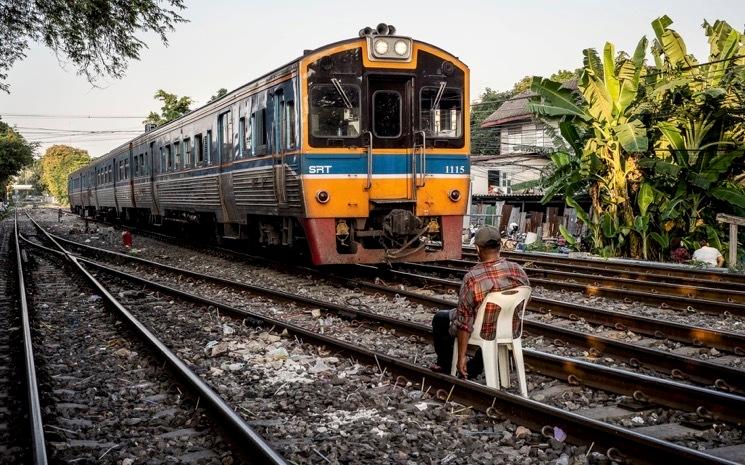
(142, 164)
(169, 158)
(224, 137)
(386, 113)
(290, 118)
(242, 153)
(208, 147)
(177, 155)
(335, 110)
(198, 150)
(162, 160)
(260, 136)
(441, 112)
(126, 169)
(249, 135)
(186, 147)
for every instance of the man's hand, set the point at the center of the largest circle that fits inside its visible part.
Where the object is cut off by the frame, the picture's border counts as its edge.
(462, 365)
(463, 337)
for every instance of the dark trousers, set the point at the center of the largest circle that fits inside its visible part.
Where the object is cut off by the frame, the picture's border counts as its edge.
(443, 343)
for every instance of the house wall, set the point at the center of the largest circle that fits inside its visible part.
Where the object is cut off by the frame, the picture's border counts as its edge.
(525, 137)
(512, 169)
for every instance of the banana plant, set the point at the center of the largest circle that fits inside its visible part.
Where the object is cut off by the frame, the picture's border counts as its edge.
(612, 131)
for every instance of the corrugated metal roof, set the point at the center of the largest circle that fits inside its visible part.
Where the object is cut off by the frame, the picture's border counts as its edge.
(516, 108)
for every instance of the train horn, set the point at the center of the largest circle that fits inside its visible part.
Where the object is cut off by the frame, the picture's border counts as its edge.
(382, 29)
(366, 31)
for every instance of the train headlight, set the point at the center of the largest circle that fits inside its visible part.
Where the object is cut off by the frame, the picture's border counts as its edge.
(401, 48)
(322, 196)
(381, 47)
(454, 195)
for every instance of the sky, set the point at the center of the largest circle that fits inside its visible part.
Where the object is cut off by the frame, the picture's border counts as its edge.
(228, 43)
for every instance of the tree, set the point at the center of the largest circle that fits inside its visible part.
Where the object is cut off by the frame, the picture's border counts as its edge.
(15, 153)
(98, 37)
(562, 76)
(173, 107)
(486, 141)
(658, 149)
(31, 174)
(57, 164)
(221, 92)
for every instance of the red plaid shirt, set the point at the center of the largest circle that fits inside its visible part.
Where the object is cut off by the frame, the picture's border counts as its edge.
(495, 275)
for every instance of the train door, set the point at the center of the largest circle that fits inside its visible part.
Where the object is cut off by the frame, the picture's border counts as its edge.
(389, 135)
(224, 159)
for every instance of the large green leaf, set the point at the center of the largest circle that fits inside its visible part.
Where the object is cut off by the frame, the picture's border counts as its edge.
(591, 62)
(730, 195)
(557, 101)
(661, 167)
(581, 213)
(570, 134)
(609, 72)
(645, 197)
(632, 136)
(660, 25)
(599, 102)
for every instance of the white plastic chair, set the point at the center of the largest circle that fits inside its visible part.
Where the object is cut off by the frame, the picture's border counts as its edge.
(496, 352)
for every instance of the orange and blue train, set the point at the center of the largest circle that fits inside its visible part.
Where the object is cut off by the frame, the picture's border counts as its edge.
(357, 151)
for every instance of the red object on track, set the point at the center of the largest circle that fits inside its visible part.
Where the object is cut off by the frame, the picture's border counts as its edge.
(127, 239)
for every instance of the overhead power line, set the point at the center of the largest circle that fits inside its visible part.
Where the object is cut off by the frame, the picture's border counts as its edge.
(32, 115)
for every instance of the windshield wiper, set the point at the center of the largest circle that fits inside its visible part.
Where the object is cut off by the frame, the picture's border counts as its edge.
(438, 97)
(340, 90)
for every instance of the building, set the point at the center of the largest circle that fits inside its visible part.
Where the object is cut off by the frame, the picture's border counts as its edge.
(524, 144)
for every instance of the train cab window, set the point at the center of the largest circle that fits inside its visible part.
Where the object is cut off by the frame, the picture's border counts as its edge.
(177, 155)
(335, 110)
(441, 112)
(387, 113)
(186, 147)
(198, 150)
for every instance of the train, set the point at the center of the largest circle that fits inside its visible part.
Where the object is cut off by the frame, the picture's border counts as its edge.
(357, 151)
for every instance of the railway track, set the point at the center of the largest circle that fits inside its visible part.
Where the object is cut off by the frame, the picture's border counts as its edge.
(21, 434)
(549, 362)
(664, 295)
(141, 394)
(656, 272)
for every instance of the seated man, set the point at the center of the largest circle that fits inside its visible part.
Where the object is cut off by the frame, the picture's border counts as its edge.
(492, 273)
(709, 255)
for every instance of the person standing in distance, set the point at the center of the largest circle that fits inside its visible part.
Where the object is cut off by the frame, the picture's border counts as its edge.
(492, 273)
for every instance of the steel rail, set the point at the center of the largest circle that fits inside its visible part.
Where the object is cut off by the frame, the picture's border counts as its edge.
(36, 423)
(699, 292)
(537, 262)
(678, 366)
(253, 441)
(662, 392)
(668, 301)
(710, 276)
(697, 336)
(517, 412)
(621, 441)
